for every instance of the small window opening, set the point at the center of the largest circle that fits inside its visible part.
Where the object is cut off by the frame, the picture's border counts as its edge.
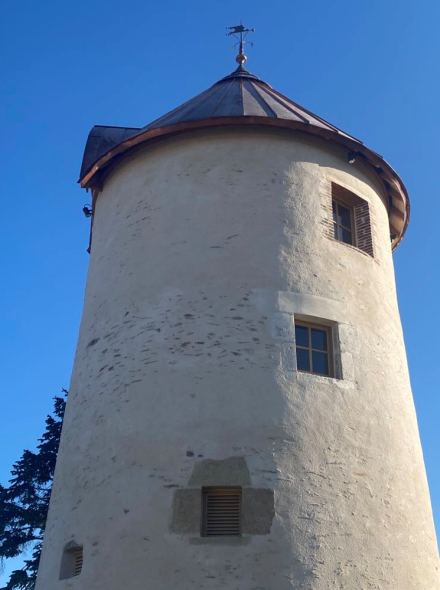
(351, 219)
(343, 223)
(221, 511)
(314, 349)
(71, 562)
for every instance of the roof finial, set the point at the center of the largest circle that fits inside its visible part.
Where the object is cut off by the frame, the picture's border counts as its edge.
(241, 32)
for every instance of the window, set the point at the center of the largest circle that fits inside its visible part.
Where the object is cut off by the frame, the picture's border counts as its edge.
(351, 221)
(71, 562)
(221, 511)
(342, 222)
(314, 349)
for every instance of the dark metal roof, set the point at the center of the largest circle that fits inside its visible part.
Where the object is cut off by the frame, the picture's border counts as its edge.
(241, 94)
(238, 99)
(100, 140)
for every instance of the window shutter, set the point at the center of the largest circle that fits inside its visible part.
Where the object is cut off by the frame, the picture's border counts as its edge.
(361, 226)
(221, 512)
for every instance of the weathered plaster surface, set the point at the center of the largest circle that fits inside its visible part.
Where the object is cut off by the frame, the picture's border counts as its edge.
(204, 249)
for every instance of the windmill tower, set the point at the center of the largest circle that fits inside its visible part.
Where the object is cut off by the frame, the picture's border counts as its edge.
(240, 414)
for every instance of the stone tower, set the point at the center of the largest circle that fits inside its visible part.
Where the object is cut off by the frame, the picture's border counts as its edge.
(240, 415)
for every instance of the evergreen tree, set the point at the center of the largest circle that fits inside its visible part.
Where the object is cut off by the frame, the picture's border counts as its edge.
(24, 503)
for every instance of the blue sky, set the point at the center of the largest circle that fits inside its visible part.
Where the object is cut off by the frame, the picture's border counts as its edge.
(370, 68)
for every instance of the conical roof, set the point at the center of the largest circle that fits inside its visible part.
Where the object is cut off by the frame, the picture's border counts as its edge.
(241, 94)
(241, 98)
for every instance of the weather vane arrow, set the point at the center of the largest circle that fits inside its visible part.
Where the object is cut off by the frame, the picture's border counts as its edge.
(240, 32)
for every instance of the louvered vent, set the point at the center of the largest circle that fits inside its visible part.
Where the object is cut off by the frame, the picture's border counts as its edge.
(77, 555)
(221, 512)
(71, 561)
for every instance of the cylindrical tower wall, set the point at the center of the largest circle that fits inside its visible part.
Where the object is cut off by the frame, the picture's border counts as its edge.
(206, 248)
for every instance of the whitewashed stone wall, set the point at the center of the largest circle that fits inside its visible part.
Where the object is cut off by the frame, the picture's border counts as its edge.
(205, 246)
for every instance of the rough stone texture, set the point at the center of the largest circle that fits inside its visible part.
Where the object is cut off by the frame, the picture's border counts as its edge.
(186, 512)
(257, 511)
(205, 246)
(232, 471)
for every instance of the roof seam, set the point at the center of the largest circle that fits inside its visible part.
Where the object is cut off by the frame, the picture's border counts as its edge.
(253, 91)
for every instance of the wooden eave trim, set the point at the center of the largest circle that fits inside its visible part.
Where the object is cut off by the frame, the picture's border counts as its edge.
(397, 190)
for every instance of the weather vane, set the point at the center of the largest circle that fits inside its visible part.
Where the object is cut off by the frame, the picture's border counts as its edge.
(240, 32)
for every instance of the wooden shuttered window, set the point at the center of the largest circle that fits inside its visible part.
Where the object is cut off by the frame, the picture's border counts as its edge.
(221, 511)
(351, 219)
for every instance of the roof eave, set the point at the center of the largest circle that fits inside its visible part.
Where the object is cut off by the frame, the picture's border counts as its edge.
(399, 205)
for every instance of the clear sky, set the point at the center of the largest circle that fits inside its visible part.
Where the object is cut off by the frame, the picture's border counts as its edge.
(369, 67)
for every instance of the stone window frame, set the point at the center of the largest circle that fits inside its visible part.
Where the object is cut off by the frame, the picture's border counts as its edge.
(257, 503)
(362, 226)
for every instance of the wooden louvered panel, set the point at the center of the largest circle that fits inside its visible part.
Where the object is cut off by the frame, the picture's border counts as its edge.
(221, 512)
(77, 561)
